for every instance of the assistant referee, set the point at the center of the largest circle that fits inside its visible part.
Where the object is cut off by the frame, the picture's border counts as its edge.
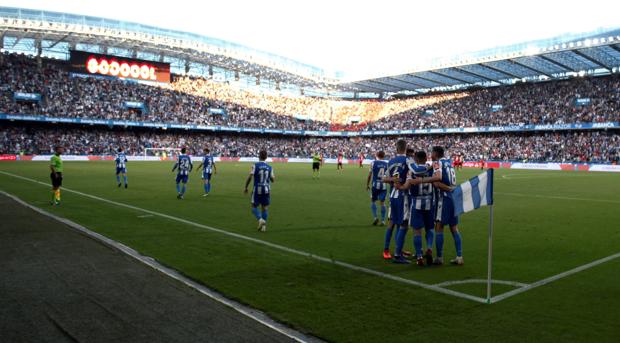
(316, 165)
(56, 175)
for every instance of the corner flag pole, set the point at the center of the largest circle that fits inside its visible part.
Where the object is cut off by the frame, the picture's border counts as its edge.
(490, 257)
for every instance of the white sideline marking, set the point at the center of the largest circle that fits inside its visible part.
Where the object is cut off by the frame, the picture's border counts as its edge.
(145, 216)
(498, 282)
(245, 310)
(544, 175)
(269, 244)
(557, 197)
(553, 278)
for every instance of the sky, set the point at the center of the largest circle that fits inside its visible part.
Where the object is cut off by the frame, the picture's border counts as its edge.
(360, 37)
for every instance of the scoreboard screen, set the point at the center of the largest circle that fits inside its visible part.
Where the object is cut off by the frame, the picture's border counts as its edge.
(108, 65)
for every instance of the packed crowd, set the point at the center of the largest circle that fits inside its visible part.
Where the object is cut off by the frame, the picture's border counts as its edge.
(590, 146)
(552, 102)
(187, 100)
(81, 97)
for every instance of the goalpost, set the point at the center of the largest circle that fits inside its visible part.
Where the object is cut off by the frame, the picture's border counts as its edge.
(161, 152)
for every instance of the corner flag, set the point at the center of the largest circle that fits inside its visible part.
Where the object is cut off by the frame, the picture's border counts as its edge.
(473, 194)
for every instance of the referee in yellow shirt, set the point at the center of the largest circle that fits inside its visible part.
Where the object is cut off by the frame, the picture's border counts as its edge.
(56, 175)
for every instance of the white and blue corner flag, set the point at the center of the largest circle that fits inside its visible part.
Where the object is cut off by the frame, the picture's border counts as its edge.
(473, 194)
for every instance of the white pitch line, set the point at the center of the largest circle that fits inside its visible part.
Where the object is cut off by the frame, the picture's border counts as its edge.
(544, 175)
(498, 282)
(249, 312)
(271, 245)
(554, 278)
(557, 197)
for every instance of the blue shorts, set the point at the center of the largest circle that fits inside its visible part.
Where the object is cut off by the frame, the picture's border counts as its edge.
(397, 209)
(206, 176)
(444, 211)
(421, 219)
(261, 199)
(120, 170)
(377, 194)
(182, 178)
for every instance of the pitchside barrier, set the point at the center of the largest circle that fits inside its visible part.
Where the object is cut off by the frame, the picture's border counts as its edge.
(595, 167)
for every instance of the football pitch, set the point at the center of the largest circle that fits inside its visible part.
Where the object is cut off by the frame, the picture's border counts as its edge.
(319, 269)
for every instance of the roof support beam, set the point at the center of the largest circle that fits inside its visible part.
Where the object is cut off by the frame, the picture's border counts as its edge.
(386, 86)
(559, 64)
(501, 71)
(615, 47)
(536, 70)
(17, 39)
(475, 75)
(367, 88)
(449, 77)
(407, 82)
(597, 62)
(404, 85)
(441, 84)
(59, 40)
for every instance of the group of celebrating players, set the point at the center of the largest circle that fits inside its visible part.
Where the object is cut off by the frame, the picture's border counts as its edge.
(419, 196)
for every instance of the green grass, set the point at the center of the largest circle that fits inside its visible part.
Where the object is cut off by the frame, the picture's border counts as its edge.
(545, 223)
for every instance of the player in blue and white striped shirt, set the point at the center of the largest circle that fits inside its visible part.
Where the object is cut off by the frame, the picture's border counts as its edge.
(421, 207)
(444, 181)
(262, 173)
(208, 169)
(184, 166)
(121, 167)
(397, 173)
(378, 189)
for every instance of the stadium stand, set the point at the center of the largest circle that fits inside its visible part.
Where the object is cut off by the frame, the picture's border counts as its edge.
(187, 100)
(578, 146)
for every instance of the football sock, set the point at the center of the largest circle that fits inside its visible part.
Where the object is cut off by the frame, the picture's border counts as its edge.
(206, 187)
(178, 188)
(383, 211)
(430, 236)
(183, 189)
(458, 243)
(256, 213)
(439, 243)
(118, 179)
(401, 233)
(265, 214)
(124, 179)
(417, 243)
(388, 238)
(373, 209)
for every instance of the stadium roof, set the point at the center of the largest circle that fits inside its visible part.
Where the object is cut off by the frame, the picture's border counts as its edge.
(54, 28)
(595, 53)
(592, 53)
